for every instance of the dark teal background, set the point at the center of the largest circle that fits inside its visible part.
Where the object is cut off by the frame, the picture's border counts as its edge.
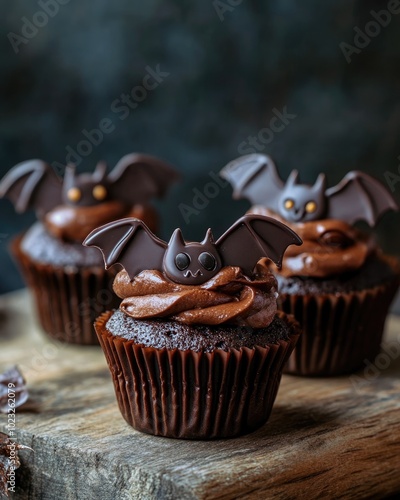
(225, 79)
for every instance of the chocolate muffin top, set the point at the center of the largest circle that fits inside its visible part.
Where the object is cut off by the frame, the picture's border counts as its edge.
(377, 270)
(42, 247)
(175, 335)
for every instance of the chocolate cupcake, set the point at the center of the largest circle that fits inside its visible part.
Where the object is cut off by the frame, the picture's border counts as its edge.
(338, 284)
(69, 283)
(197, 346)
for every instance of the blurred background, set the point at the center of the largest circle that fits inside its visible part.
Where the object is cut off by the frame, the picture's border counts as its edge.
(219, 71)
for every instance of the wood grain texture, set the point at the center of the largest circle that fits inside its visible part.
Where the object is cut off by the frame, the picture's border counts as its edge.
(327, 438)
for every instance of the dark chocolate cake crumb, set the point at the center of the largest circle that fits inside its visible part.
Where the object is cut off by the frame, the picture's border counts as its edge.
(12, 379)
(175, 335)
(375, 272)
(40, 246)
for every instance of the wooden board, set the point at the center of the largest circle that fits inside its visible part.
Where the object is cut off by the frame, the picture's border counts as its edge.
(327, 438)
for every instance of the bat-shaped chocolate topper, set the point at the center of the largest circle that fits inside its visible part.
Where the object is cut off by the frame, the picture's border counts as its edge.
(134, 180)
(130, 243)
(357, 197)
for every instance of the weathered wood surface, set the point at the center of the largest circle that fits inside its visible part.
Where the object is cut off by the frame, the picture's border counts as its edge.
(327, 438)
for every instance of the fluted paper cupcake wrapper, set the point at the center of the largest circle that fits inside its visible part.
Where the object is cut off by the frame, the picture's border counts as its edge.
(194, 395)
(340, 331)
(69, 299)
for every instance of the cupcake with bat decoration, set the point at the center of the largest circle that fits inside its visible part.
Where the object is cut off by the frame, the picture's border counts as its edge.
(338, 284)
(197, 346)
(69, 282)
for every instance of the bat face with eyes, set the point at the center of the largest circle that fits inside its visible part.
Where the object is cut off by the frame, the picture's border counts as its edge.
(301, 202)
(191, 263)
(135, 180)
(73, 205)
(130, 243)
(86, 189)
(358, 196)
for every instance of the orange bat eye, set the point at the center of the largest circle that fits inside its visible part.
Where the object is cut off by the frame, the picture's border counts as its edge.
(99, 192)
(74, 194)
(289, 204)
(311, 207)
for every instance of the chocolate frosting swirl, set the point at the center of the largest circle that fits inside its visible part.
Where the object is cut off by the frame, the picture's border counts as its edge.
(71, 223)
(229, 297)
(330, 247)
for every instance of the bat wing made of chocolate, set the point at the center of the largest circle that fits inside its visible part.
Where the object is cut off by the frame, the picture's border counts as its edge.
(253, 237)
(130, 243)
(255, 178)
(140, 177)
(359, 197)
(32, 184)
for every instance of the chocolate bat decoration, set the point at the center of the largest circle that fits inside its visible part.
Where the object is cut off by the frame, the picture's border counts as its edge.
(129, 242)
(32, 184)
(357, 197)
(134, 180)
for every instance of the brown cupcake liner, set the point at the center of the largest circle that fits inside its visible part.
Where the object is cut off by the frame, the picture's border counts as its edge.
(195, 395)
(69, 299)
(340, 331)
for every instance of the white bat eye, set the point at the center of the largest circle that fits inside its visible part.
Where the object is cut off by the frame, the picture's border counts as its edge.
(99, 192)
(74, 194)
(289, 204)
(311, 207)
(207, 261)
(182, 261)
